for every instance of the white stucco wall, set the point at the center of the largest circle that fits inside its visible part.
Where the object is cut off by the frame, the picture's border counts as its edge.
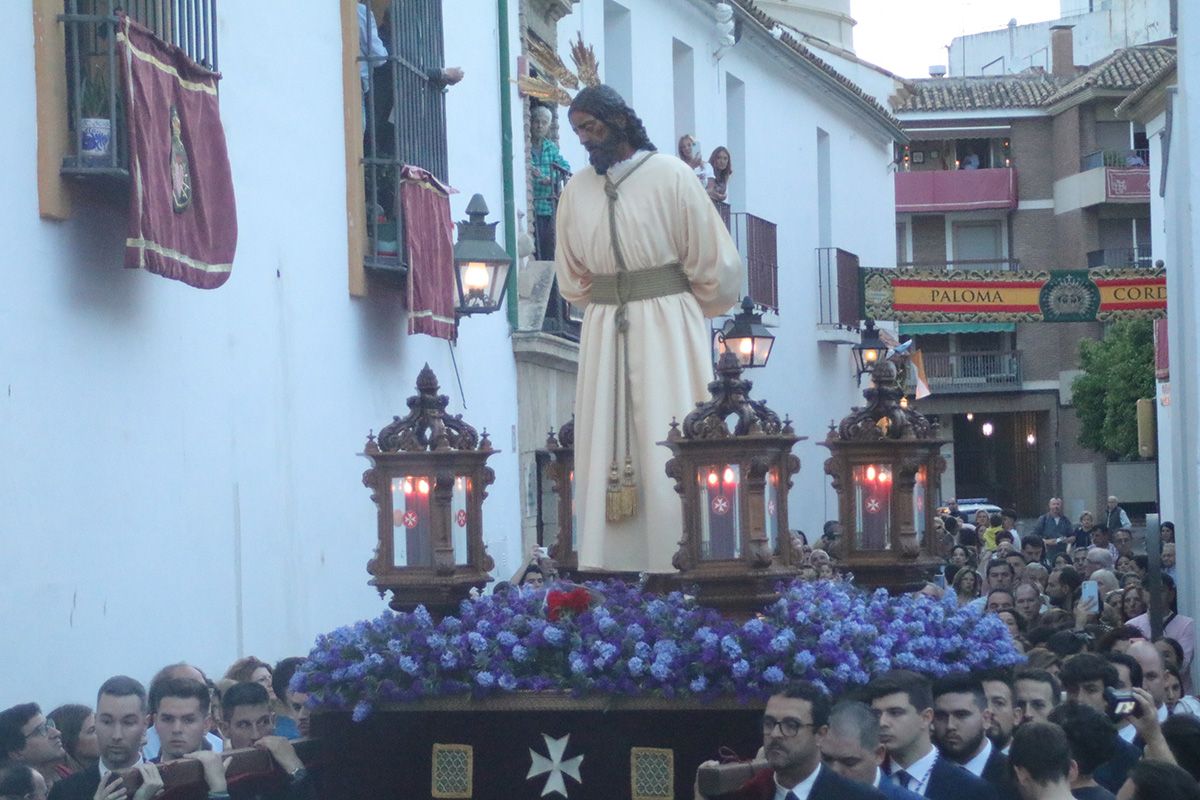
(1181, 214)
(1096, 34)
(180, 478)
(811, 382)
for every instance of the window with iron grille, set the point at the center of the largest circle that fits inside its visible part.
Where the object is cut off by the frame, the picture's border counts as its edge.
(95, 111)
(404, 113)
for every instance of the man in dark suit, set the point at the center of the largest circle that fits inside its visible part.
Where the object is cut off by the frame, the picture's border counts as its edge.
(960, 721)
(794, 723)
(904, 702)
(121, 721)
(851, 748)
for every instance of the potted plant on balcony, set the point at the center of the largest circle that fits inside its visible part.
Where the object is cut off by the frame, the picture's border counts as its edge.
(95, 123)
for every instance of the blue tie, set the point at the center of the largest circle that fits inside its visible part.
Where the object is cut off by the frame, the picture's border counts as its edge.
(901, 777)
(791, 796)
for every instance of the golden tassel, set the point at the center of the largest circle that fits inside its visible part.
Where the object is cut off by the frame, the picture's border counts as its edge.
(612, 497)
(629, 503)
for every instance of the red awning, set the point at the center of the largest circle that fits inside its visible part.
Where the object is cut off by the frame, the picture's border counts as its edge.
(938, 191)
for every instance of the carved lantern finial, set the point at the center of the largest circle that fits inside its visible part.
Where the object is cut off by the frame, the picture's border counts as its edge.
(428, 478)
(733, 484)
(884, 458)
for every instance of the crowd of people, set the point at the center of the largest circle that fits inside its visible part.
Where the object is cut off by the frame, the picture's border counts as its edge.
(1095, 728)
(1099, 709)
(79, 752)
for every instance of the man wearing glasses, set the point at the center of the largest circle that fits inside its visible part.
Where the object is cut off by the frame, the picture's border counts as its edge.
(27, 737)
(795, 722)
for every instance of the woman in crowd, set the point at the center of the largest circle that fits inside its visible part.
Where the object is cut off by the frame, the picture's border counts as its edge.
(689, 152)
(1083, 531)
(77, 724)
(1133, 603)
(251, 670)
(1176, 701)
(967, 585)
(722, 169)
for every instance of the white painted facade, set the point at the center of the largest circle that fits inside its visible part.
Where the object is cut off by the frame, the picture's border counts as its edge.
(1113, 25)
(775, 148)
(1175, 240)
(180, 476)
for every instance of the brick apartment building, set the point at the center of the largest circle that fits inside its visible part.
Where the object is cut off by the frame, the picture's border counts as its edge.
(1031, 171)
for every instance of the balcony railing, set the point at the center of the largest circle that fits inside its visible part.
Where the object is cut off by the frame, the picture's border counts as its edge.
(1120, 257)
(973, 372)
(839, 287)
(1114, 158)
(989, 264)
(756, 242)
(939, 191)
(95, 105)
(725, 213)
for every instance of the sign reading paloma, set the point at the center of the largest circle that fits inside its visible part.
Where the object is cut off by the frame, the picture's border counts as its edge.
(1060, 296)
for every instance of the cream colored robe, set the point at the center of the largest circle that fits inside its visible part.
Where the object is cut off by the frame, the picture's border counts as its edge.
(663, 216)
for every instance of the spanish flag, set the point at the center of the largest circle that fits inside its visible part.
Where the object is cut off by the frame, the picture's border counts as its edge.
(918, 363)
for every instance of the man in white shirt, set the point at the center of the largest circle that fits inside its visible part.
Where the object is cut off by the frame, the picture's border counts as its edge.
(997, 687)
(121, 721)
(851, 748)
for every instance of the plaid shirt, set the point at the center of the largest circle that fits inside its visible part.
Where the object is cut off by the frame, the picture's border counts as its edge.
(543, 159)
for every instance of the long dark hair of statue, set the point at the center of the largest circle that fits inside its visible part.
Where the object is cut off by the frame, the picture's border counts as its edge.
(605, 104)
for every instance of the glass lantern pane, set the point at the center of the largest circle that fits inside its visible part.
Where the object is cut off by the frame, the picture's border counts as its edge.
(919, 505)
(720, 527)
(458, 518)
(772, 498)
(412, 541)
(872, 506)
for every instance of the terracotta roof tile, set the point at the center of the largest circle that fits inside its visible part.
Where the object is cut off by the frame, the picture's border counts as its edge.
(1125, 70)
(789, 41)
(1024, 90)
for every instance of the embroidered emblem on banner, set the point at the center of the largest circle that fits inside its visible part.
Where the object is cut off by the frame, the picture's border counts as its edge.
(181, 172)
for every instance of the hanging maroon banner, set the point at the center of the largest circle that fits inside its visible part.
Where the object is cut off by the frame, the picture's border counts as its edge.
(182, 215)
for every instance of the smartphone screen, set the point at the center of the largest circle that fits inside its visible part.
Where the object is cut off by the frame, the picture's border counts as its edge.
(1091, 591)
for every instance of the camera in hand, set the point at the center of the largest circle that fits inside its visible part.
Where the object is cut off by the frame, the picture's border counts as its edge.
(1120, 703)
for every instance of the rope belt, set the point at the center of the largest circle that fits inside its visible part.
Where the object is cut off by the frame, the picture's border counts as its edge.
(620, 500)
(644, 284)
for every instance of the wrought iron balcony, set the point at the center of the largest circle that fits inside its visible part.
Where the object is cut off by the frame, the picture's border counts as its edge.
(839, 288)
(992, 371)
(1120, 257)
(756, 241)
(95, 103)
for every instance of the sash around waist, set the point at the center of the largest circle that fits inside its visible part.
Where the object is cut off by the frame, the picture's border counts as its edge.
(643, 284)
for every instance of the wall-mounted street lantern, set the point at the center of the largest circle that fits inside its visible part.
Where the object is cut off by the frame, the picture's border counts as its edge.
(564, 550)
(428, 478)
(734, 488)
(481, 265)
(870, 351)
(746, 337)
(884, 459)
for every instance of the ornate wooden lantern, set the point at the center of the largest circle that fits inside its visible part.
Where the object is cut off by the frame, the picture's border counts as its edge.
(734, 488)
(428, 478)
(884, 459)
(564, 550)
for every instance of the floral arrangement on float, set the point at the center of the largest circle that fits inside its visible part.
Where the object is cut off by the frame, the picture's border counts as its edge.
(613, 639)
